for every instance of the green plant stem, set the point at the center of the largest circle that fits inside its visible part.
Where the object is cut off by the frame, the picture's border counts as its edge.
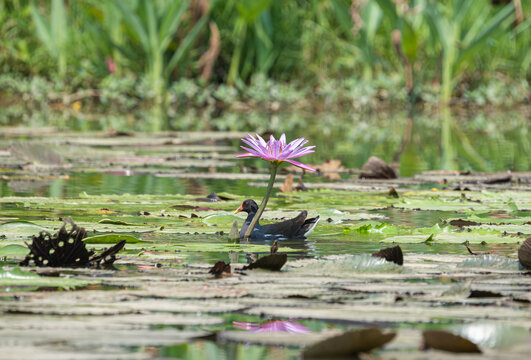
(274, 167)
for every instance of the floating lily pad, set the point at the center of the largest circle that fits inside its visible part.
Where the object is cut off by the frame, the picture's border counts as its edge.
(16, 277)
(13, 251)
(111, 239)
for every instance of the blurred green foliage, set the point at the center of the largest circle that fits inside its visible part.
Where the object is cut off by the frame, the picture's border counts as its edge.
(340, 51)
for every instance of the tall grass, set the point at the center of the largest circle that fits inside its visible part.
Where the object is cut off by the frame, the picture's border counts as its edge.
(152, 25)
(53, 32)
(302, 41)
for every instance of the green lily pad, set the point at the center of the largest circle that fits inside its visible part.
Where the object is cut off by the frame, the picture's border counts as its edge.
(17, 277)
(20, 229)
(13, 251)
(111, 239)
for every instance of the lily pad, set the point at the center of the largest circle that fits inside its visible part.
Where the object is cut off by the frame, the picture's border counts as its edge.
(13, 251)
(111, 239)
(17, 277)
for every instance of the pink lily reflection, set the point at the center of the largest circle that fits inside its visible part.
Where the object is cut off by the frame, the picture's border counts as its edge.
(273, 326)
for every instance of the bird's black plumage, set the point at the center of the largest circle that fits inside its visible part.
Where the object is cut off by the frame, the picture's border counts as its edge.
(298, 227)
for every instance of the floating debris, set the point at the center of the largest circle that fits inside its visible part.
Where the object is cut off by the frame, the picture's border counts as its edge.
(220, 269)
(392, 193)
(67, 249)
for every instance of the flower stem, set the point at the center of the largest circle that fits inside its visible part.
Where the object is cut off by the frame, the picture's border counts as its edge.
(274, 167)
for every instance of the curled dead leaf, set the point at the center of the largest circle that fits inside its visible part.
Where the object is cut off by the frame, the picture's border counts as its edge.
(287, 187)
(330, 169)
(349, 343)
(524, 253)
(445, 341)
(391, 254)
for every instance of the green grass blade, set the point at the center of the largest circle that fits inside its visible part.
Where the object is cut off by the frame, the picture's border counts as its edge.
(133, 23)
(389, 9)
(151, 26)
(171, 22)
(43, 30)
(492, 26)
(58, 29)
(185, 45)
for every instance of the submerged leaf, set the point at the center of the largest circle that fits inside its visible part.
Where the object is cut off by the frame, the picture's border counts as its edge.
(349, 343)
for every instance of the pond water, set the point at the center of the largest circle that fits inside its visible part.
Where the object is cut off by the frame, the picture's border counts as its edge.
(427, 139)
(159, 300)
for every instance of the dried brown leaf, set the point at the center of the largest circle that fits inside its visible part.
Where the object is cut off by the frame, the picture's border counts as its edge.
(287, 187)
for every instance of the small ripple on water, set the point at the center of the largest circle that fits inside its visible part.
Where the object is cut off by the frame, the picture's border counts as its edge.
(490, 261)
(341, 264)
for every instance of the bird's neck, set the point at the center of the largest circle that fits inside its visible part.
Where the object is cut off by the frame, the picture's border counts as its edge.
(250, 217)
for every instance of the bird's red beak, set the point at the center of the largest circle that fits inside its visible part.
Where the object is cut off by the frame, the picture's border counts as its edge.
(239, 209)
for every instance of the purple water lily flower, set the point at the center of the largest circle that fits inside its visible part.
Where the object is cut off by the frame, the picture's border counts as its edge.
(273, 326)
(277, 150)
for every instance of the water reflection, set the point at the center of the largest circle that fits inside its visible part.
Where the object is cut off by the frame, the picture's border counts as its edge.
(490, 335)
(288, 326)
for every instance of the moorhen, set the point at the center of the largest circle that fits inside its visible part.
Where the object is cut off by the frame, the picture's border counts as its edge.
(297, 228)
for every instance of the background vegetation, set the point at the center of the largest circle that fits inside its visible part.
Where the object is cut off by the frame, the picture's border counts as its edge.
(219, 54)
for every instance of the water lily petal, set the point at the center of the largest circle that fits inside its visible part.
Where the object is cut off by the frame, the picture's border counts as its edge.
(302, 152)
(301, 165)
(252, 151)
(245, 155)
(283, 140)
(275, 150)
(261, 141)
